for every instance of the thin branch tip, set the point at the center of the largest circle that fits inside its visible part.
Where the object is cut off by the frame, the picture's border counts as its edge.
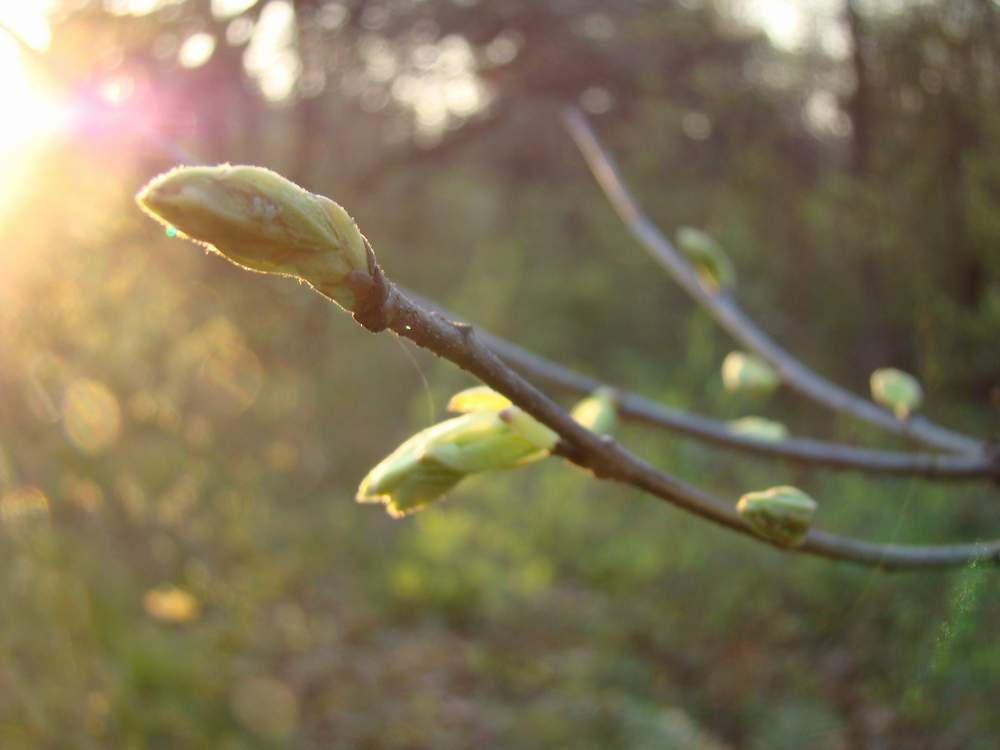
(606, 459)
(731, 317)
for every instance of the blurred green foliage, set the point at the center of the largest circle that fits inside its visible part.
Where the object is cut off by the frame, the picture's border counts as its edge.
(171, 426)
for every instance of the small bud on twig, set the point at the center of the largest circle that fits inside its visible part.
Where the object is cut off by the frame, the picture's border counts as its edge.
(407, 479)
(478, 398)
(896, 390)
(748, 373)
(529, 428)
(433, 461)
(708, 258)
(759, 428)
(482, 398)
(261, 221)
(781, 514)
(598, 412)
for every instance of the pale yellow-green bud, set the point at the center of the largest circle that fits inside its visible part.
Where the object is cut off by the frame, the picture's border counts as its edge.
(781, 514)
(896, 390)
(483, 441)
(482, 398)
(598, 412)
(261, 221)
(759, 429)
(530, 429)
(748, 373)
(433, 461)
(478, 398)
(407, 479)
(708, 258)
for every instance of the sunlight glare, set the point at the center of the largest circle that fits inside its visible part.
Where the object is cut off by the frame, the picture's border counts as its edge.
(34, 112)
(784, 22)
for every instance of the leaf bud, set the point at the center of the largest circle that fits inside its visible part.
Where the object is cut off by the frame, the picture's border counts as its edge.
(260, 221)
(759, 428)
(748, 373)
(781, 514)
(598, 412)
(710, 261)
(896, 390)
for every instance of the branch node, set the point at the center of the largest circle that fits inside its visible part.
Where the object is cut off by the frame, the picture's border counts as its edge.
(371, 293)
(467, 332)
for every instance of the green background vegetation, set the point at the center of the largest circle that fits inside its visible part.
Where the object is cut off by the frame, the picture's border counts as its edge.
(193, 426)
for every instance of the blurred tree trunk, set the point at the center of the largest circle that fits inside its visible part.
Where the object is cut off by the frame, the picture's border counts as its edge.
(859, 103)
(310, 115)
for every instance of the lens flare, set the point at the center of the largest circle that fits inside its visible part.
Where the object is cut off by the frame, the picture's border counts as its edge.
(91, 416)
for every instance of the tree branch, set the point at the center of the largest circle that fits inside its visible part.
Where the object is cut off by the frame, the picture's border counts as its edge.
(728, 314)
(715, 432)
(382, 305)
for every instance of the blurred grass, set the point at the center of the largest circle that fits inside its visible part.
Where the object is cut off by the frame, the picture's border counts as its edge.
(171, 424)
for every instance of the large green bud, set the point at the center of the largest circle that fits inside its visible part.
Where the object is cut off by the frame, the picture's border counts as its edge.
(485, 441)
(261, 221)
(434, 460)
(598, 412)
(408, 479)
(896, 390)
(708, 258)
(748, 373)
(781, 514)
(759, 428)
(482, 399)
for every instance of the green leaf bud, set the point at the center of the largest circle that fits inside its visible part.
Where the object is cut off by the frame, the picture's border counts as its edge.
(781, 514)
(710, 261)
(482, 441)
(748, 373)
(407, 479)
(759, 429)
(260, 221)
(479, 398)
(598, 412)
(896, 390)
(528, 428)
(432, 462)
(484, 399)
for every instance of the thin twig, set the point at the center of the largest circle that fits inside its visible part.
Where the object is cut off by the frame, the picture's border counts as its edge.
(715, 432)
(727, 313)
(386, 306)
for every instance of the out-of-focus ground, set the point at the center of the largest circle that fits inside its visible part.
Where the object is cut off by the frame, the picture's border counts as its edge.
(181, 560)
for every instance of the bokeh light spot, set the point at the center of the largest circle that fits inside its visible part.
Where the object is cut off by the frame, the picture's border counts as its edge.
(116, 91)
(91, 416)
(170, 604)
(82, 493)
(23, 505)
(232, 375)
(266, 707)
(196, 50)
(229, 8)
(282, 455)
